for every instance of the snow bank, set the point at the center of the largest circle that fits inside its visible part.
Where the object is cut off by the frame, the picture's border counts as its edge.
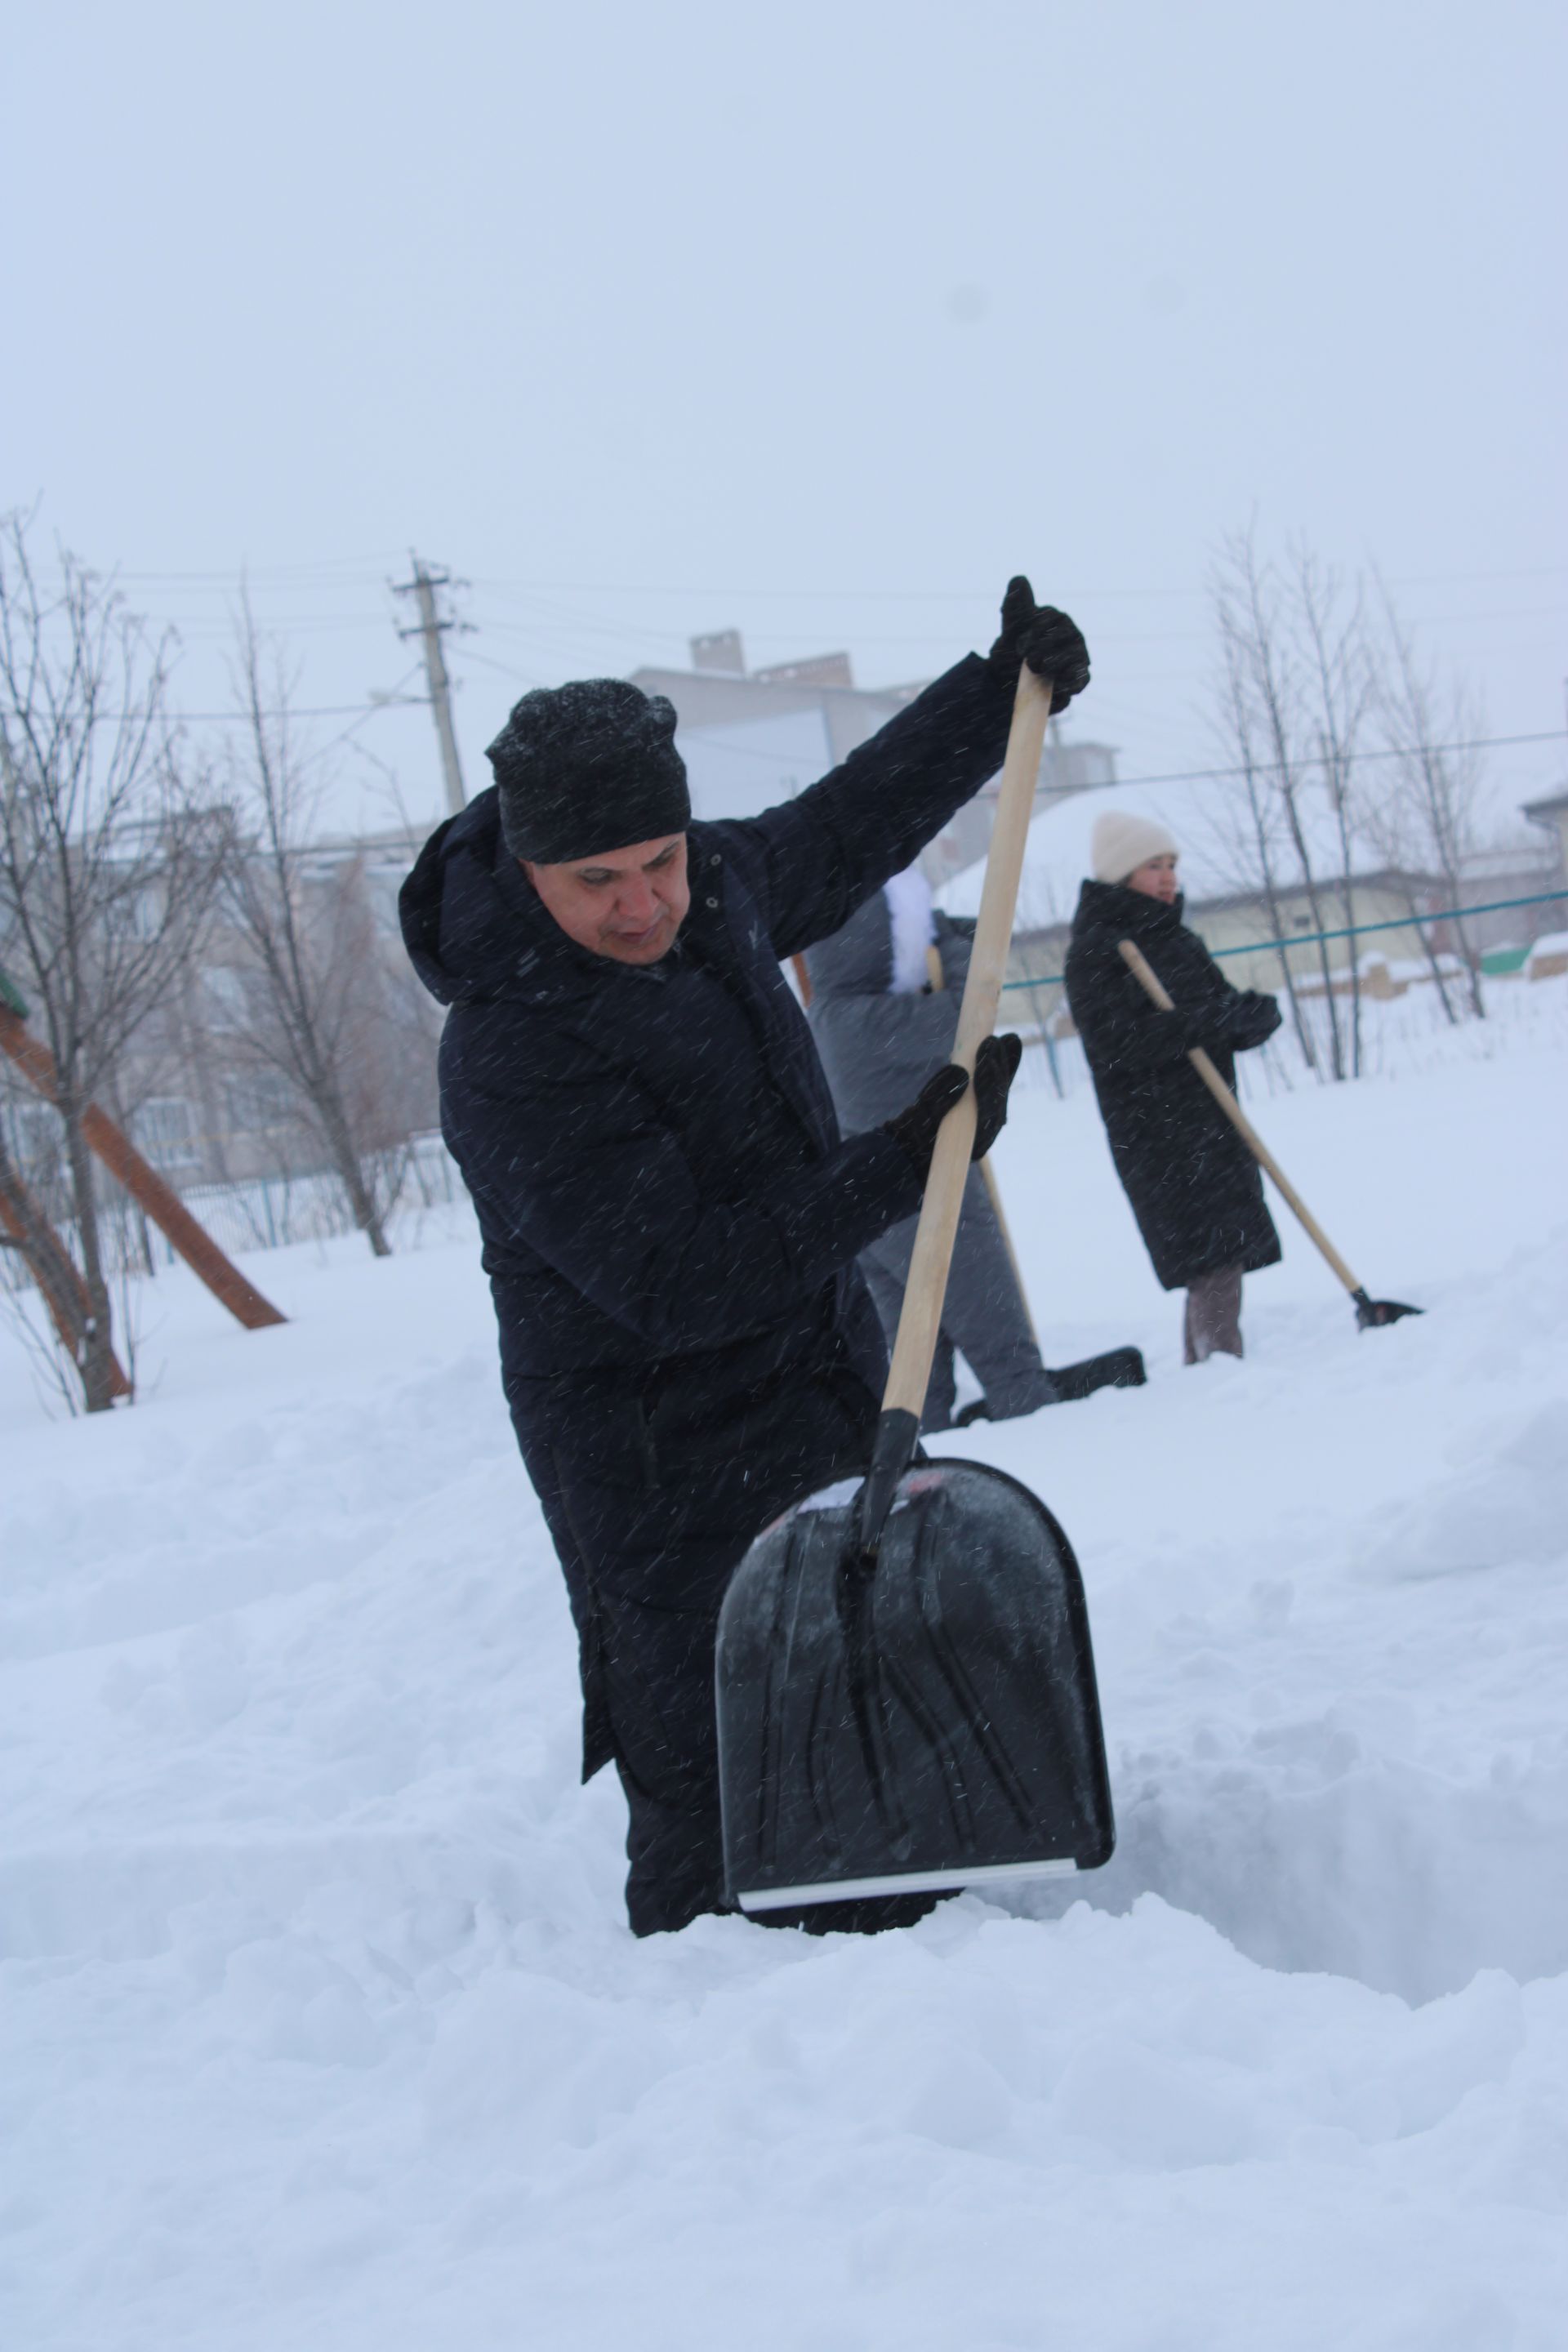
(321, 2023)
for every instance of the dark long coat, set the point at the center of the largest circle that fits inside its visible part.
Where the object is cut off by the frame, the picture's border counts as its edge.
(670, 1217)
(1195, 1188)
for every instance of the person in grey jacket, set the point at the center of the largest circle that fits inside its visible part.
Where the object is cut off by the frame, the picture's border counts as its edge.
(880, 1025)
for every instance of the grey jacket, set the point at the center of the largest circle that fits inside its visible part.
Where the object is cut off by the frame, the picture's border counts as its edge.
(879, 1045)
(878, 1049)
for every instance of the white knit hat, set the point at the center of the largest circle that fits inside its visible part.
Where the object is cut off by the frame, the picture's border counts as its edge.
(1120, 844)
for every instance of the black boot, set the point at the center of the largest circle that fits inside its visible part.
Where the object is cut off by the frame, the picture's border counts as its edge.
(1118, 1367)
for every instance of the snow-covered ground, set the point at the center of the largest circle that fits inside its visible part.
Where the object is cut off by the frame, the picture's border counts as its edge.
(321, 2027)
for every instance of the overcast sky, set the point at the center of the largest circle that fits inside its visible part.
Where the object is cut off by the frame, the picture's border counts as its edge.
(817, 321)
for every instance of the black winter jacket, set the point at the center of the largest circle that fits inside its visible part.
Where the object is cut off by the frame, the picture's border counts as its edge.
(669, 1214)
(1195, 1188)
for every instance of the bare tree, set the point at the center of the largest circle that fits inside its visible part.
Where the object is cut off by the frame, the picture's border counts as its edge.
(1296, 690)
(1253, 836)
(316, 1013)
(108, 855)
(1429, 819)
(1332, 618)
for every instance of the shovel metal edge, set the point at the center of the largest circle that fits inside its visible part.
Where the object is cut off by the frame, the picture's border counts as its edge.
(907, 1882)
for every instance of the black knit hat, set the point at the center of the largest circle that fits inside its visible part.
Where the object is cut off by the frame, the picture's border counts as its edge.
(587, 768)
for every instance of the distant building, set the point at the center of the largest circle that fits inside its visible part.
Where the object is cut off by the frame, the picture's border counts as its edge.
(201, 1098)
(752, 737)
(1551, 815)
(1512, 871)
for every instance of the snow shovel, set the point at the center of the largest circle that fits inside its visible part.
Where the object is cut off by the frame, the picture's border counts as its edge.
(905, 1687)
(1370, 1314)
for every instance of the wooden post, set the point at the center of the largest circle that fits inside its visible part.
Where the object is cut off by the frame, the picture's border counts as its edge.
(143, 1184)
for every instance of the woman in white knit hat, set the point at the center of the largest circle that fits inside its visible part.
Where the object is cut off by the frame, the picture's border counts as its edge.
(1195, 1188)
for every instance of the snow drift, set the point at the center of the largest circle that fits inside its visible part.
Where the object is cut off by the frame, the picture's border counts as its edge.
(322, 2024)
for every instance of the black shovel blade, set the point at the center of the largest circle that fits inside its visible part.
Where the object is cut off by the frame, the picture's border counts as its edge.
(1372, 1314)
(924, 1720)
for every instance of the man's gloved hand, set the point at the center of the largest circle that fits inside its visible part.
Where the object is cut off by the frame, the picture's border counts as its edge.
(996, 1066)
(1253, 1018)
(1047, 640)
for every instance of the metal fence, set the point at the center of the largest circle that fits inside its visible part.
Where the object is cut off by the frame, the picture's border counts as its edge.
(1347, 931)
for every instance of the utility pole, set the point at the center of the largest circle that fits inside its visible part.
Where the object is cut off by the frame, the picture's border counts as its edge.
(430, 629)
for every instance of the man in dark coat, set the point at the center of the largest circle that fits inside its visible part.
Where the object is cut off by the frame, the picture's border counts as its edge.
(883, 1022)
(670, 1217)
(1195, 1188)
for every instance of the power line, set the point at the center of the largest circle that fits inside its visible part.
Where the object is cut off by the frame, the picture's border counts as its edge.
(1279, 767)
(369, 570)
(562, 624)
(351, 569)
(207, 621)
(346, 734)
(394, 701)
(943, 595)
(1126, 783)
(319, 710)
(509, 670)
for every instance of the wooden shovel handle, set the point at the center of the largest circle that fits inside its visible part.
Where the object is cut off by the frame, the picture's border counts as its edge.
(921, 1320)
(937, 979)
(1137, 965)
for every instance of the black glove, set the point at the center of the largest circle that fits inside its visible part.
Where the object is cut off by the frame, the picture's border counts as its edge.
(914, 1130)
(995, 1066)
(1047, 640)
(1253, 1017)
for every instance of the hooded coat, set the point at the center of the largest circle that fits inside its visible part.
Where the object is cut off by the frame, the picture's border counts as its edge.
(880, 1038)
(1195, 1188)
(670, 1220)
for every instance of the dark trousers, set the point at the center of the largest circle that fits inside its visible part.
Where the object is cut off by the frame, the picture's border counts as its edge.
(983, 1315)
(648, 1553)
(1212, 1324)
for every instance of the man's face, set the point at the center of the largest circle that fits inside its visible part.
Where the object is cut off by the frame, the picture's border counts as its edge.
(627, 903)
